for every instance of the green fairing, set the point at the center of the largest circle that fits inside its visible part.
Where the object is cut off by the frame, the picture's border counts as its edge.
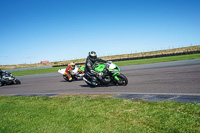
(82, 68)
(100, 67)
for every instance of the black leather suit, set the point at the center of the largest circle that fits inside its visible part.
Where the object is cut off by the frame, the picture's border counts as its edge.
(88, 66)
(2, 73)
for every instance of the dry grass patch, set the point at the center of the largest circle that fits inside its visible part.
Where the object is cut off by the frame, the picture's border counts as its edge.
(133, 55)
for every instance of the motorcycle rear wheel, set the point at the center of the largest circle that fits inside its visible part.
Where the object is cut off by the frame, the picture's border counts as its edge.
(2, 83)
(66, 78)
(9, 82)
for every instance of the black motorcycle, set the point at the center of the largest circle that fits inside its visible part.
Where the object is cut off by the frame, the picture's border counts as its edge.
(2, 82)
(9, 79)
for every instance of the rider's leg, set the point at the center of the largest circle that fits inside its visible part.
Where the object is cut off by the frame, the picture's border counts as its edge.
(69, 76)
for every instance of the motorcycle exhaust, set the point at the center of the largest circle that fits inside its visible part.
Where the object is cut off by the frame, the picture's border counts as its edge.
(86, 80)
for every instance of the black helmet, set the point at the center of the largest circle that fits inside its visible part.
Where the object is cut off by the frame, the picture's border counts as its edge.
(92, 56)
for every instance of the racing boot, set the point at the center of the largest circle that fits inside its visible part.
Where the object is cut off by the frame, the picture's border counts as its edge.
(70, 78)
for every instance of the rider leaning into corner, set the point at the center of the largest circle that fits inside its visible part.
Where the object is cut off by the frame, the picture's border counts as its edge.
(68, 70)
(1, 72)
(91, 59)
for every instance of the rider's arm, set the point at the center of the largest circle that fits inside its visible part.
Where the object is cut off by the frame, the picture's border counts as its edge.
(89, 66)
(101, 60)
(66, 70)
(70, 69)
(0, 75)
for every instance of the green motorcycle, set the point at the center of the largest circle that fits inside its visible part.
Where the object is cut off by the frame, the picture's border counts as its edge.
(107, 73)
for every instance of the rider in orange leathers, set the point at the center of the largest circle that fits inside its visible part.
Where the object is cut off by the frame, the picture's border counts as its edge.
(68, 70)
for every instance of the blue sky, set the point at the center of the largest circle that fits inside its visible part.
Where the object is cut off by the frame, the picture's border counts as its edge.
(35, 30)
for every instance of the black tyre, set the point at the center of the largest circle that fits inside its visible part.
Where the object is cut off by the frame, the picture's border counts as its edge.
(9, 82)
(2, 83)
(66, 78)
(18, 81)
(122, 80)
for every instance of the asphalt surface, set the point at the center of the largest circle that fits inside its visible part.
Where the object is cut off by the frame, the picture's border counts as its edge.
(173, 81)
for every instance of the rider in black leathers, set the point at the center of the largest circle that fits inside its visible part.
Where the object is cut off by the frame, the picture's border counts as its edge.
(1, 73)
(91, 59)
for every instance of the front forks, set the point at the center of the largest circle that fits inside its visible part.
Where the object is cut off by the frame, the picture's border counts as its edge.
(115, 76)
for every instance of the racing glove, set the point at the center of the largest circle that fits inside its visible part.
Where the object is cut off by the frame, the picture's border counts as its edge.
(100, 74)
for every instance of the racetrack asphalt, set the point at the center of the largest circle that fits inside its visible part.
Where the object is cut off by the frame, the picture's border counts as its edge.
(173, 81)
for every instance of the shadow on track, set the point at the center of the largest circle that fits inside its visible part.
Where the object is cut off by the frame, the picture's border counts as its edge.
(97, 86)
(71, 81)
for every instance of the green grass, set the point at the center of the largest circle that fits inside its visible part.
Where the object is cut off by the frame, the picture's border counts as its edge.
(37, 71)
(95, 115)
(156, 60)
(119, 63)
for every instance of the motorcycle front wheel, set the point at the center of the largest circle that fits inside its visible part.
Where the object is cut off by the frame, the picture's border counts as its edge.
(18, 81)
(122, 80)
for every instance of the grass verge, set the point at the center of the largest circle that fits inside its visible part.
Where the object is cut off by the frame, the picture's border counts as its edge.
(37, 71)
(92, 115)
(157, 60)
(190, 49)
(119, 63)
